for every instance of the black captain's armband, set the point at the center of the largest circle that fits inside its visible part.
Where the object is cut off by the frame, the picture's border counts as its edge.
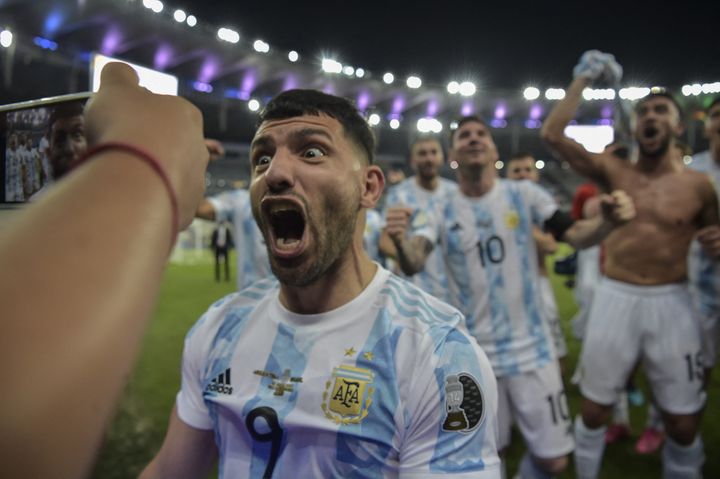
(558, 224)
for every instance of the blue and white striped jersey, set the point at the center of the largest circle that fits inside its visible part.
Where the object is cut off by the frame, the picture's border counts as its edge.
(387, 385)
(252, 258)
(374, 224)
(703, 272)
(433, 278)
(491, 259)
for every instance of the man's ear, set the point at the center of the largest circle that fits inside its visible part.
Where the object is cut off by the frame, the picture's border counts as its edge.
(372, 187)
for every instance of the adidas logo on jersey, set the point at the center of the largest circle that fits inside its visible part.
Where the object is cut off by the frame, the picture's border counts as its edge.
(220, 384)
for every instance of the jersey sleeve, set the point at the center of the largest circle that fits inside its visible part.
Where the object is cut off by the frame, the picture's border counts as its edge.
(542, 205)
(452, 429)
(191, 408)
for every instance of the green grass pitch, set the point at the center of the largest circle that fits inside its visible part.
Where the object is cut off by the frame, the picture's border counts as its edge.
(138, 427)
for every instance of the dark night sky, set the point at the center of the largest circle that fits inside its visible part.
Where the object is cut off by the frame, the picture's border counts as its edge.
(498, 44)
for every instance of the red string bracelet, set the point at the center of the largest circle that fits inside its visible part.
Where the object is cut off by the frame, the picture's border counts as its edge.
(149, 160)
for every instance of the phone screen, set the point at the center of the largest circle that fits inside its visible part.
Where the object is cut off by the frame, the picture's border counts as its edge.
(39, 140)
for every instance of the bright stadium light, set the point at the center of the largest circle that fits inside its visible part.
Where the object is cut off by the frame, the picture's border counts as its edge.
(348, 70)
(499, 165)
(180, 16)
(429, 125)
(228, 35)
(634, 93)
(539, 164)
(154, 5)
(6, 38)
(453, 87)
(293, 56)
(388, 78)
(531, 93)
(359, 72)
(554, 94)
(191, 20)
(413, 82)
(374, 119)
(261, 46)
(331, 66)
(467, 88)
(394, 123)
(253, 105)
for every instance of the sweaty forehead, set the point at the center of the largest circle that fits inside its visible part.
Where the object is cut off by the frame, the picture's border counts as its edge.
(278, 128)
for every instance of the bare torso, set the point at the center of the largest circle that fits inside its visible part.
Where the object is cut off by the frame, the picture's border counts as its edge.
(652, 248)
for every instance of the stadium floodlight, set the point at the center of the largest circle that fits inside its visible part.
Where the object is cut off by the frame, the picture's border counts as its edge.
(374, 119)
(554, 94)
(413, 82)
(394, 123)
(531, 93)
(499, 165)
(388, 78)
(709, 88)
(348, 70)
(191, 20)
(180, 16)
(429, 125)
(6, 38)
(293, 56)
(359, 72)
(154, 5)
(261, 46)
(453, 87)
(331, 66)
(253, 105)
(634, 93)
(467, 88)
(539, 164)
(229, 35)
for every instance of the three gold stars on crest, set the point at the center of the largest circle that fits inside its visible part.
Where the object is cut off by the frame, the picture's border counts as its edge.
(351, 352)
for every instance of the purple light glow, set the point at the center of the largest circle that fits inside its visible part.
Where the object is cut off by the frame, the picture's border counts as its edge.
(605, 121)
(52, 23)
(398, 104)
(432, 108)
(163, 55)
(363, 101)
(329, 89)
(467, 109)
(533, 124)
(535, 112)
(500, 111)
(290, 83)
(498, 123)
(203, 87)
(248, 82)
(111, 41)
(606, 111)
(209, 70)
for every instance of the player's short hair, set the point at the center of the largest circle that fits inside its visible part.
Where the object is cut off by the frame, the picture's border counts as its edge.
(464, 120)
(421, 138)
(294, 103)
(660, 94)
(66, 110)
(521, 155)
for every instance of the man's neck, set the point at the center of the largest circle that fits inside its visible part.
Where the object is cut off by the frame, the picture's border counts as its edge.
(336, 288)
(476, 182)
(657, 165)
(428, 184)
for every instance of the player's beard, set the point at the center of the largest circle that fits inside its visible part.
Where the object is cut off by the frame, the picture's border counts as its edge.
(331, 233)
(660, 150)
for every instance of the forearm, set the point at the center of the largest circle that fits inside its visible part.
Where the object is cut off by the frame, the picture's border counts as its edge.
(412, 253)
(588, 232)
(91, 247)
(553, 129)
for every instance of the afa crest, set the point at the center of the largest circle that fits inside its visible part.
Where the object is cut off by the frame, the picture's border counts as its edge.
(512, 219)
(348, 395)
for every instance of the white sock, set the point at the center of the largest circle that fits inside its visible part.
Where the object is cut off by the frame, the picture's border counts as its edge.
(621, 414)
(589, 448)
(683, 462)
(530, 470)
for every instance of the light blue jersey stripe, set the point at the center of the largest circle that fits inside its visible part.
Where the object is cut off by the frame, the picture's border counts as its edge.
(523, 240)
(457, 263)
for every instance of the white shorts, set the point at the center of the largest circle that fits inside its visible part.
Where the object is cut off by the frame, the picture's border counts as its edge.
(653, 323)
(550, 313)
(536, 401)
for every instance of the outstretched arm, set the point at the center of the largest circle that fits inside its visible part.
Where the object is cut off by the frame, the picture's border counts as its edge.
(86, 262)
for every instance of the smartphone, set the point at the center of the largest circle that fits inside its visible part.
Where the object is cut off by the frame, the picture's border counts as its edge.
(39, 139)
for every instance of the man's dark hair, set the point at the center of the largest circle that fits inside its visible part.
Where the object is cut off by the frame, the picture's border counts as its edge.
(466, 119)
(661, 94)
(714, 102)
(423, 138)
(294, 103)
(66, 110)
(521, 155)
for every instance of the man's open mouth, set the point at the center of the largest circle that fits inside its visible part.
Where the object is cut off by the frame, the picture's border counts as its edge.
(650, 131)
(286, 221)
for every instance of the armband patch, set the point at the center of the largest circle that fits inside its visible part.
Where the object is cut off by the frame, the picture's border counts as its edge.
(464, 403)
